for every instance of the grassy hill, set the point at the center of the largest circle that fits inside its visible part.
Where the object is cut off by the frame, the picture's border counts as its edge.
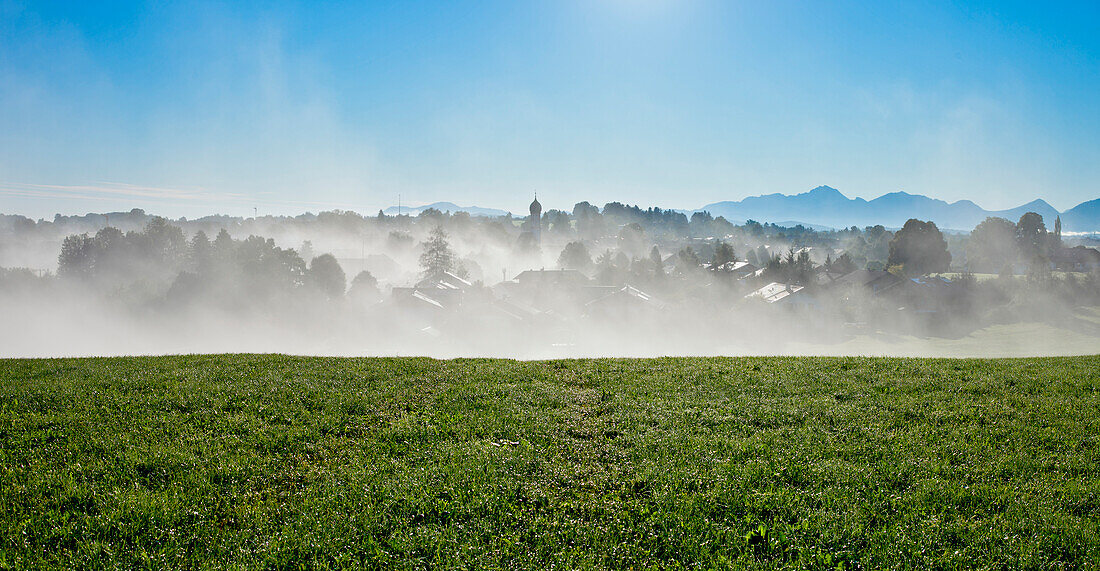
(274, 461)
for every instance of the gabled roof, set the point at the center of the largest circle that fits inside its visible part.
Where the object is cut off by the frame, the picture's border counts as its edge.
(736, 267)
(514, 310)
(876, 280)
(775, 291)
(931, 281)
(455, 279)
(627, 292)
(1078, 255)
(755, 274)
(539, 277)
(447, 281)
(824, 278)
(416, 294)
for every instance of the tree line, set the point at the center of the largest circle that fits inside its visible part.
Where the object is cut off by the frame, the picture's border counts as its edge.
(224, 271)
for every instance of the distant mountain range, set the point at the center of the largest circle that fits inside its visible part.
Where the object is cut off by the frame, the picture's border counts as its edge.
(1084, 217)
(447, 207)
(826, 206)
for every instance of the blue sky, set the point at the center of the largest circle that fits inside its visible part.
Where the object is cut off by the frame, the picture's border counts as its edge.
(194, 108)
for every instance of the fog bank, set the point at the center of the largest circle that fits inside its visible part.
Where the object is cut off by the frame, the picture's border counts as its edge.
(613, 282)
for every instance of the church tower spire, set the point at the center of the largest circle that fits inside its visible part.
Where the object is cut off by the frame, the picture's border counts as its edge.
(535, 220)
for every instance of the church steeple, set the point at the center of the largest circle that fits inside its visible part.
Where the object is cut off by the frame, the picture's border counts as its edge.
(535, 220)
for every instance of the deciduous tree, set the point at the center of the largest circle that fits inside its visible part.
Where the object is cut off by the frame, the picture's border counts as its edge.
(919, 249)
(326, 275)
(437, 256)
(575, 256)
(992, 245)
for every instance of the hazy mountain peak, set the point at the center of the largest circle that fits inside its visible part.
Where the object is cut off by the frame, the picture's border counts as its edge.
(1038, 203)
(827, 206)
(447, 207)
(897, 193)
(825, 192)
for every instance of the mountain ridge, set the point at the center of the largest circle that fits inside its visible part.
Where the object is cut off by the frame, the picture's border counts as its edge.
(447, 207)
(827, 206)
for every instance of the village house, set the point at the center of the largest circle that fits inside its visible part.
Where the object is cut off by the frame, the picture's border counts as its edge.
(1076, 259)
(776, 292)
(873, 281)
(620, 300)
(444, 292)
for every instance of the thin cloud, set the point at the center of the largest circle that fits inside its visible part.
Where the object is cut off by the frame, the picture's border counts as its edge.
(106, 190)
(113, 191)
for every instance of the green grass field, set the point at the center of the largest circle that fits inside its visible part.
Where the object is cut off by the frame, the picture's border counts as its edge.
(283, 462)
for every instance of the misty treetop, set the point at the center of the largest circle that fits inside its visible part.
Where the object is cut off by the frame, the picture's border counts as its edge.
(613, 245)
(326, 275)
(992, 246)
(437, 257)
(997, 245)
(160, 249)
(919, 249)
(575, 256)
(645, 274)
(226, 270)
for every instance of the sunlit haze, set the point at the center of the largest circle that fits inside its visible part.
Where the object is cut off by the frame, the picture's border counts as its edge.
(198, 108)
(549, 284)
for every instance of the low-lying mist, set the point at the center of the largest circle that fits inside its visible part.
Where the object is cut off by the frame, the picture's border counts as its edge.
(620, 281)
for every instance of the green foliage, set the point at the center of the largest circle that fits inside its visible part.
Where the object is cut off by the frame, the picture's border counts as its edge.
(557, 222)
(992, 245)
(263, 270)
(364, 286)
(437, 256)
(1036, 245)
(688, 261)
(327, 277)
(752, 258)
(919, 248)
(111, 259)
(23, 281)
(792, 267)
(590, 224)
(527, 244)
(873, 245)
(575, 256)
(306, 250)
(632, 240)
(723, 254)
(76, 258)
(251, 461)
(200, 252)
(653, 221)
(842, 265)
(656, 262)
(399, 240)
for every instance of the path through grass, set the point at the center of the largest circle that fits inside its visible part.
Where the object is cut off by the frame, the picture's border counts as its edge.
(273, 461)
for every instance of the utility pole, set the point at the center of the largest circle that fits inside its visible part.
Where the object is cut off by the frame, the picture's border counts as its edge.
(106, 221)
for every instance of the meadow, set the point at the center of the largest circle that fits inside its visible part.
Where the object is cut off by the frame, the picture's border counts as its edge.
(278, 462)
